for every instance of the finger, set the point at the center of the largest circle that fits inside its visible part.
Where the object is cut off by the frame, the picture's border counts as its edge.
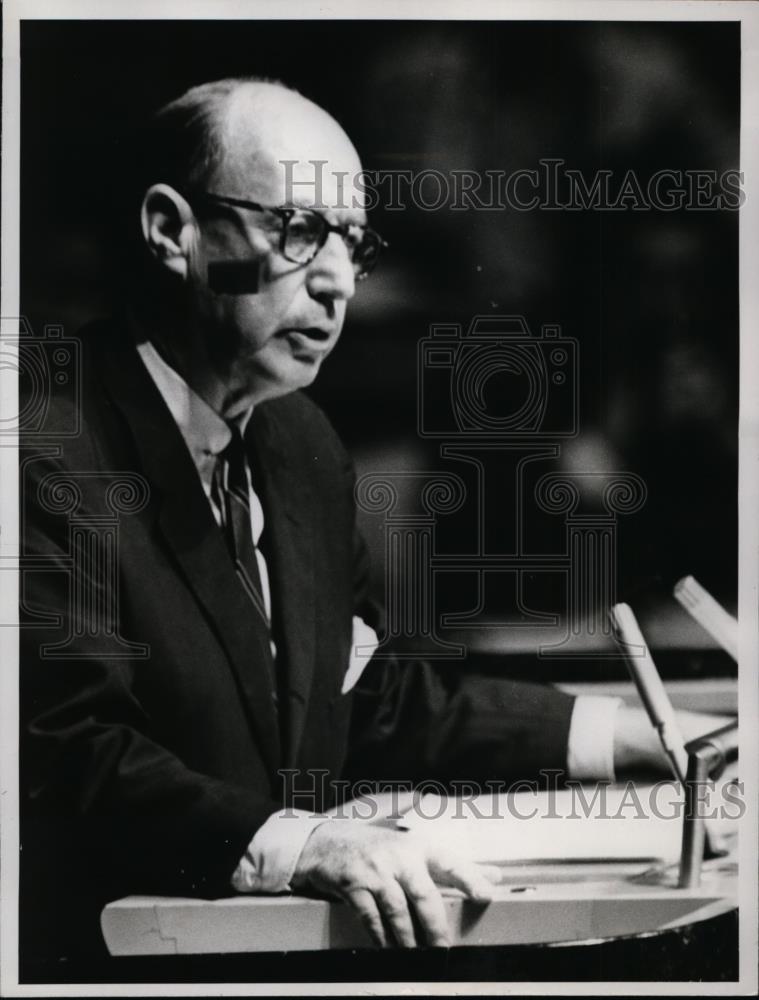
(493, 873)
(466, 876)
(365, 905)
(393, 905)
(429, 908)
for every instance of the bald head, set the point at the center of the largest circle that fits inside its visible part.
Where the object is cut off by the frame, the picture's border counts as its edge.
(253, 138)
(266, 124)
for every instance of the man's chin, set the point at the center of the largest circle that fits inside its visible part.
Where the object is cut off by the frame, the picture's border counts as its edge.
(294, 374)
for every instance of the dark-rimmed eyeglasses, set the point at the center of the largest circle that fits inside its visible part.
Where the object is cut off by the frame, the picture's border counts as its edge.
(305, 231)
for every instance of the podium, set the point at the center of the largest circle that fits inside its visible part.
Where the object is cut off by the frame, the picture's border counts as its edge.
(537, 904)
(569, 875)
(618, 879)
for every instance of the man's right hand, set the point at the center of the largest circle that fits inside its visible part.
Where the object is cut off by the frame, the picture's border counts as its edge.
(388, 877)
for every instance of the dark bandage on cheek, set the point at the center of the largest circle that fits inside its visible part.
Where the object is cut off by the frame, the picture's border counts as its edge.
(240, 267)
(234, 277)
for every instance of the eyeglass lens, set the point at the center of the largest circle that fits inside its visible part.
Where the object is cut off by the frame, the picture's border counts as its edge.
(306, 233)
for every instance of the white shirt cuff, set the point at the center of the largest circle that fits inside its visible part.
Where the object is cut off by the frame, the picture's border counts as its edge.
(269, 862)
(590, 753)
(364, 643)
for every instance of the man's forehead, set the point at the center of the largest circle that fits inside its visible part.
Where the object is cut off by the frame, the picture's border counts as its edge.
(319, 182)
(282, 149)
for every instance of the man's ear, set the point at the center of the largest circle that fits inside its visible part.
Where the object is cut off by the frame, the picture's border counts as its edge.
(168, 227)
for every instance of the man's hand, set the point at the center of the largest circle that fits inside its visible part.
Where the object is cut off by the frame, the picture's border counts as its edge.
(387, 877)
(637, 745)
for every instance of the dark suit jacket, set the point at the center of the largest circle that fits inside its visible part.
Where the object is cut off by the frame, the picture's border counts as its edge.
(152, 744)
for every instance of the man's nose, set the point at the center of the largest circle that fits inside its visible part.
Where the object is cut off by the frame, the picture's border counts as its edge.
(330, 273)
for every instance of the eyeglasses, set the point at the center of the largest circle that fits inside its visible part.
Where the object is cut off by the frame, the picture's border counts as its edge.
(305, 231)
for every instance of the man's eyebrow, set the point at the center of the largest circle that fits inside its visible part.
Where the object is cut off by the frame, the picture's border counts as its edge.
(358, 216)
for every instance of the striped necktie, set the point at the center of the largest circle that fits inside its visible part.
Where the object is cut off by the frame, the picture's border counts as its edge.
(234, 496)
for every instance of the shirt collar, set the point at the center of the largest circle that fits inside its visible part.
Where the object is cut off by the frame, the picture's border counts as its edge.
(205, 432)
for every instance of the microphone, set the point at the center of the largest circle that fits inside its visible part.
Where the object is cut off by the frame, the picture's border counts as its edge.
(233, 277)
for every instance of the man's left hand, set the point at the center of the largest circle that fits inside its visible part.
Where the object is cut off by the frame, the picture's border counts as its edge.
(636, 743)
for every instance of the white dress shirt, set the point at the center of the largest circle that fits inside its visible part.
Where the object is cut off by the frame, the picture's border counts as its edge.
(272, 855)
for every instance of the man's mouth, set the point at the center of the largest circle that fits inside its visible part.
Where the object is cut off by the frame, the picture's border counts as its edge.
(306, 342)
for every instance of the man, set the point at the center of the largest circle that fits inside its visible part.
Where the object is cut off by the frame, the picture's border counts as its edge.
(154, 745)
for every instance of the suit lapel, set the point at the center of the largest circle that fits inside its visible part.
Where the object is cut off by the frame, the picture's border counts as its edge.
(200, 551)
(185, 520)
(287, 503)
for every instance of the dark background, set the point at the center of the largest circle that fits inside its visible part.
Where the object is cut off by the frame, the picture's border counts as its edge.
(652, 297)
